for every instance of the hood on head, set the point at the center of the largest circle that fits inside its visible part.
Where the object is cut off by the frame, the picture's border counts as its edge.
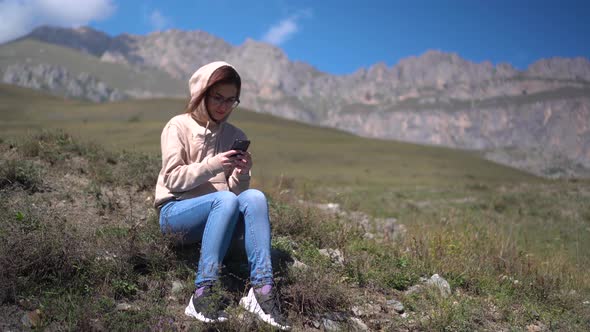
(197, 83)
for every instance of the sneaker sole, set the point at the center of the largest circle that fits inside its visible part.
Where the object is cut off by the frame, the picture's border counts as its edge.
(191, 312)
(250, 304)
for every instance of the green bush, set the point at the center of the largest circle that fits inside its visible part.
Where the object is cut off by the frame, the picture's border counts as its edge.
(22, 173)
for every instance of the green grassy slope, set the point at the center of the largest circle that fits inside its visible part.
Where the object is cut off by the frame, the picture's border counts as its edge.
(281, 147)
(514, 247)
(382, 178)
(114, 75)
(79, 240)
(330, 165)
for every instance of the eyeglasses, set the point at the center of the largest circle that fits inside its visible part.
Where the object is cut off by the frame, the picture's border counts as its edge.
(231, 102)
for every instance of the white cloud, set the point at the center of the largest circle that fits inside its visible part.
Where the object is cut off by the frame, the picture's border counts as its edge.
(158, 21)
(19, 17)
(281, 32)
(285, 29)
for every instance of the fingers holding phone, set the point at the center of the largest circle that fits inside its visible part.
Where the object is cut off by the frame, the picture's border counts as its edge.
(243, 162)
(228, 159)
(242, 158)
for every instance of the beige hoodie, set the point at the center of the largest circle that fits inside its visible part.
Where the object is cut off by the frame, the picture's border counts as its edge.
(188, 142)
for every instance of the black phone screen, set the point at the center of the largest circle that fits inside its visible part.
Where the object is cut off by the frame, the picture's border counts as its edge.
(241, 145)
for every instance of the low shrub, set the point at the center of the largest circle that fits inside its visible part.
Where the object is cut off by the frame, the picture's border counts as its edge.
(20, 173)
(38, 250)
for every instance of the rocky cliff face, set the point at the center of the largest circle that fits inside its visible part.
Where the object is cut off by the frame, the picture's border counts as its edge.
(58, 80)
(176, 52)
(559, 125)
(434, 98)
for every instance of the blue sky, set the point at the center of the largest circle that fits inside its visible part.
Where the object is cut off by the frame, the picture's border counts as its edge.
(338, 37)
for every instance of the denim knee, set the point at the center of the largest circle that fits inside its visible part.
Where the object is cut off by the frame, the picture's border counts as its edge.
(253, 196)
(227, 200)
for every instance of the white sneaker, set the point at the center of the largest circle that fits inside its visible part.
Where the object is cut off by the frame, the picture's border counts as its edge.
(265, 307)
(206, 308)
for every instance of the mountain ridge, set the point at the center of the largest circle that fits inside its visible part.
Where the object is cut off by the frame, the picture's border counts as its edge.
(415, 100)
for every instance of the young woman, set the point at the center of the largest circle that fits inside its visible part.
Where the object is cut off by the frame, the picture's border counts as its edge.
(203, 192)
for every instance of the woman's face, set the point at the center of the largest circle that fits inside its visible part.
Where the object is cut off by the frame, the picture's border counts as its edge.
(221, 100)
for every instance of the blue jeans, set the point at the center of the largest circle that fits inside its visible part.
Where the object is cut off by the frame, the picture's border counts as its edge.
(211, 220)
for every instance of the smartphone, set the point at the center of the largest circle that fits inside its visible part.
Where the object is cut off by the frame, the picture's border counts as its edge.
(240, 145)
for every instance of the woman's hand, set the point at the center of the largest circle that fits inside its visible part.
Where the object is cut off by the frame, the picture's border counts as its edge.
(243, 162)
(228, 159)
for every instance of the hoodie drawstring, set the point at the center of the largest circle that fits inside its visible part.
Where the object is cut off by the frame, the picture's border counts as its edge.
(205, 147)
(205, 143)
(218, 139)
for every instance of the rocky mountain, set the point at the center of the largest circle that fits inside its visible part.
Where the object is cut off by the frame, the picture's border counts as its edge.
(60, 80)
(83, 39)
(435, 98)
(131, 81)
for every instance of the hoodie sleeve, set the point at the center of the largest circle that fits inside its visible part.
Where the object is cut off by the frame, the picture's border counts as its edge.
(179, 174)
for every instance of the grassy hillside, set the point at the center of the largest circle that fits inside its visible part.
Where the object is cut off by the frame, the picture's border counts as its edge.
(122, 77)
(513, 247)
(345, 165)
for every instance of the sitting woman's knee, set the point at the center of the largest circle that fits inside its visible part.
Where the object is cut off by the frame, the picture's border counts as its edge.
(227, 199)
(254, 195)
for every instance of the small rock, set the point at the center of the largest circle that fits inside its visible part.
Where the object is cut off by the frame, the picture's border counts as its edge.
(357, 311)
(316, 324)
(535, 328)
(359, 325)
(413, 289)
(177, 287)
(335, 255)
(586, 302)
(330, 325)
(299, 265)
(396, 305)
(441, 284)
(366, 310)
(31, 319)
